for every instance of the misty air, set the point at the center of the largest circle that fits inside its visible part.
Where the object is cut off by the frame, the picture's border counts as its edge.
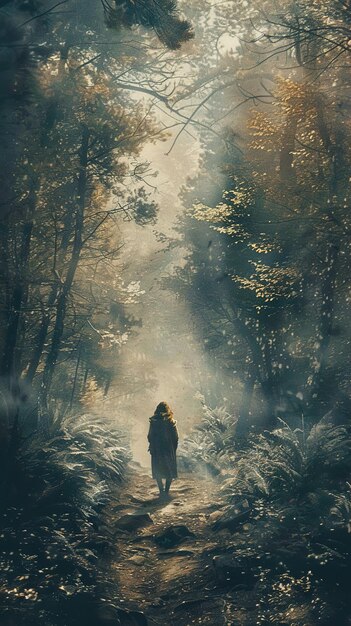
(175, 385)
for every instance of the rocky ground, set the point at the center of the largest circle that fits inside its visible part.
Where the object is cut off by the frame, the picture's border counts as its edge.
(171, 565)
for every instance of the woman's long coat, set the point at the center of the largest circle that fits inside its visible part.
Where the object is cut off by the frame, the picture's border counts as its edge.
(163, 440)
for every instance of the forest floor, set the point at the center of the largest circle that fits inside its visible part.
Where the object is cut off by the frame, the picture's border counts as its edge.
(171, 580)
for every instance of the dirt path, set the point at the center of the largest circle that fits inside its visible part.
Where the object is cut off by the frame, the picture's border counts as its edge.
(170, 582)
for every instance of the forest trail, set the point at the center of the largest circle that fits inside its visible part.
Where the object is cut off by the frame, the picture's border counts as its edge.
(170, 579)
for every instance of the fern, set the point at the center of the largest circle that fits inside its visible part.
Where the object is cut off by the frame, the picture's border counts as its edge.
(208, 444)
(49, 538)
(299, 533)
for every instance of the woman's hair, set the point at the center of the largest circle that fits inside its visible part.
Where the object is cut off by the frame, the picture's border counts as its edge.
(164, 410)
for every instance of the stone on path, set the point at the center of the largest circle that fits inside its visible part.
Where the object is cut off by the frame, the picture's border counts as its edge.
(133, 521)
(131, 618)
(137, 559)
(172, 553)
(144, 500)
(234, 517)
(109, 615)
(172, 536)
(215, 516)
(228, 569)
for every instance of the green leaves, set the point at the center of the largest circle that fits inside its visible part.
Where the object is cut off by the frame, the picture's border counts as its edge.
(160, 15)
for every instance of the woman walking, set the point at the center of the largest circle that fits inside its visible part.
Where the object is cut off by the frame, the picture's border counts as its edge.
(163, 440)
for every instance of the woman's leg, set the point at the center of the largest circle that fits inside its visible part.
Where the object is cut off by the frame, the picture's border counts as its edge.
(160, 484)
(168, 484)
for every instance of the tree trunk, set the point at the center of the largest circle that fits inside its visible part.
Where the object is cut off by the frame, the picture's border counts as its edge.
(8, 364)
(86, 373)
(107, 385)
(44, 326)
(75, 375)
(4, 266)
(329, 276)
(39, 341)
(326, 319)
(62, 298)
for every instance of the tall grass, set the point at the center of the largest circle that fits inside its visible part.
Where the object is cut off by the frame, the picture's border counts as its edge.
(50, 527)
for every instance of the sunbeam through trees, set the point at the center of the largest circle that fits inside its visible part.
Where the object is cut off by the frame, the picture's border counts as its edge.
(175, 232)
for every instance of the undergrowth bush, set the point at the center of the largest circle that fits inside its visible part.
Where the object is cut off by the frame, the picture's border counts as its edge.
(210, 442)
(288, 463)
(296, 484)
(297, 536)
(50, 533)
